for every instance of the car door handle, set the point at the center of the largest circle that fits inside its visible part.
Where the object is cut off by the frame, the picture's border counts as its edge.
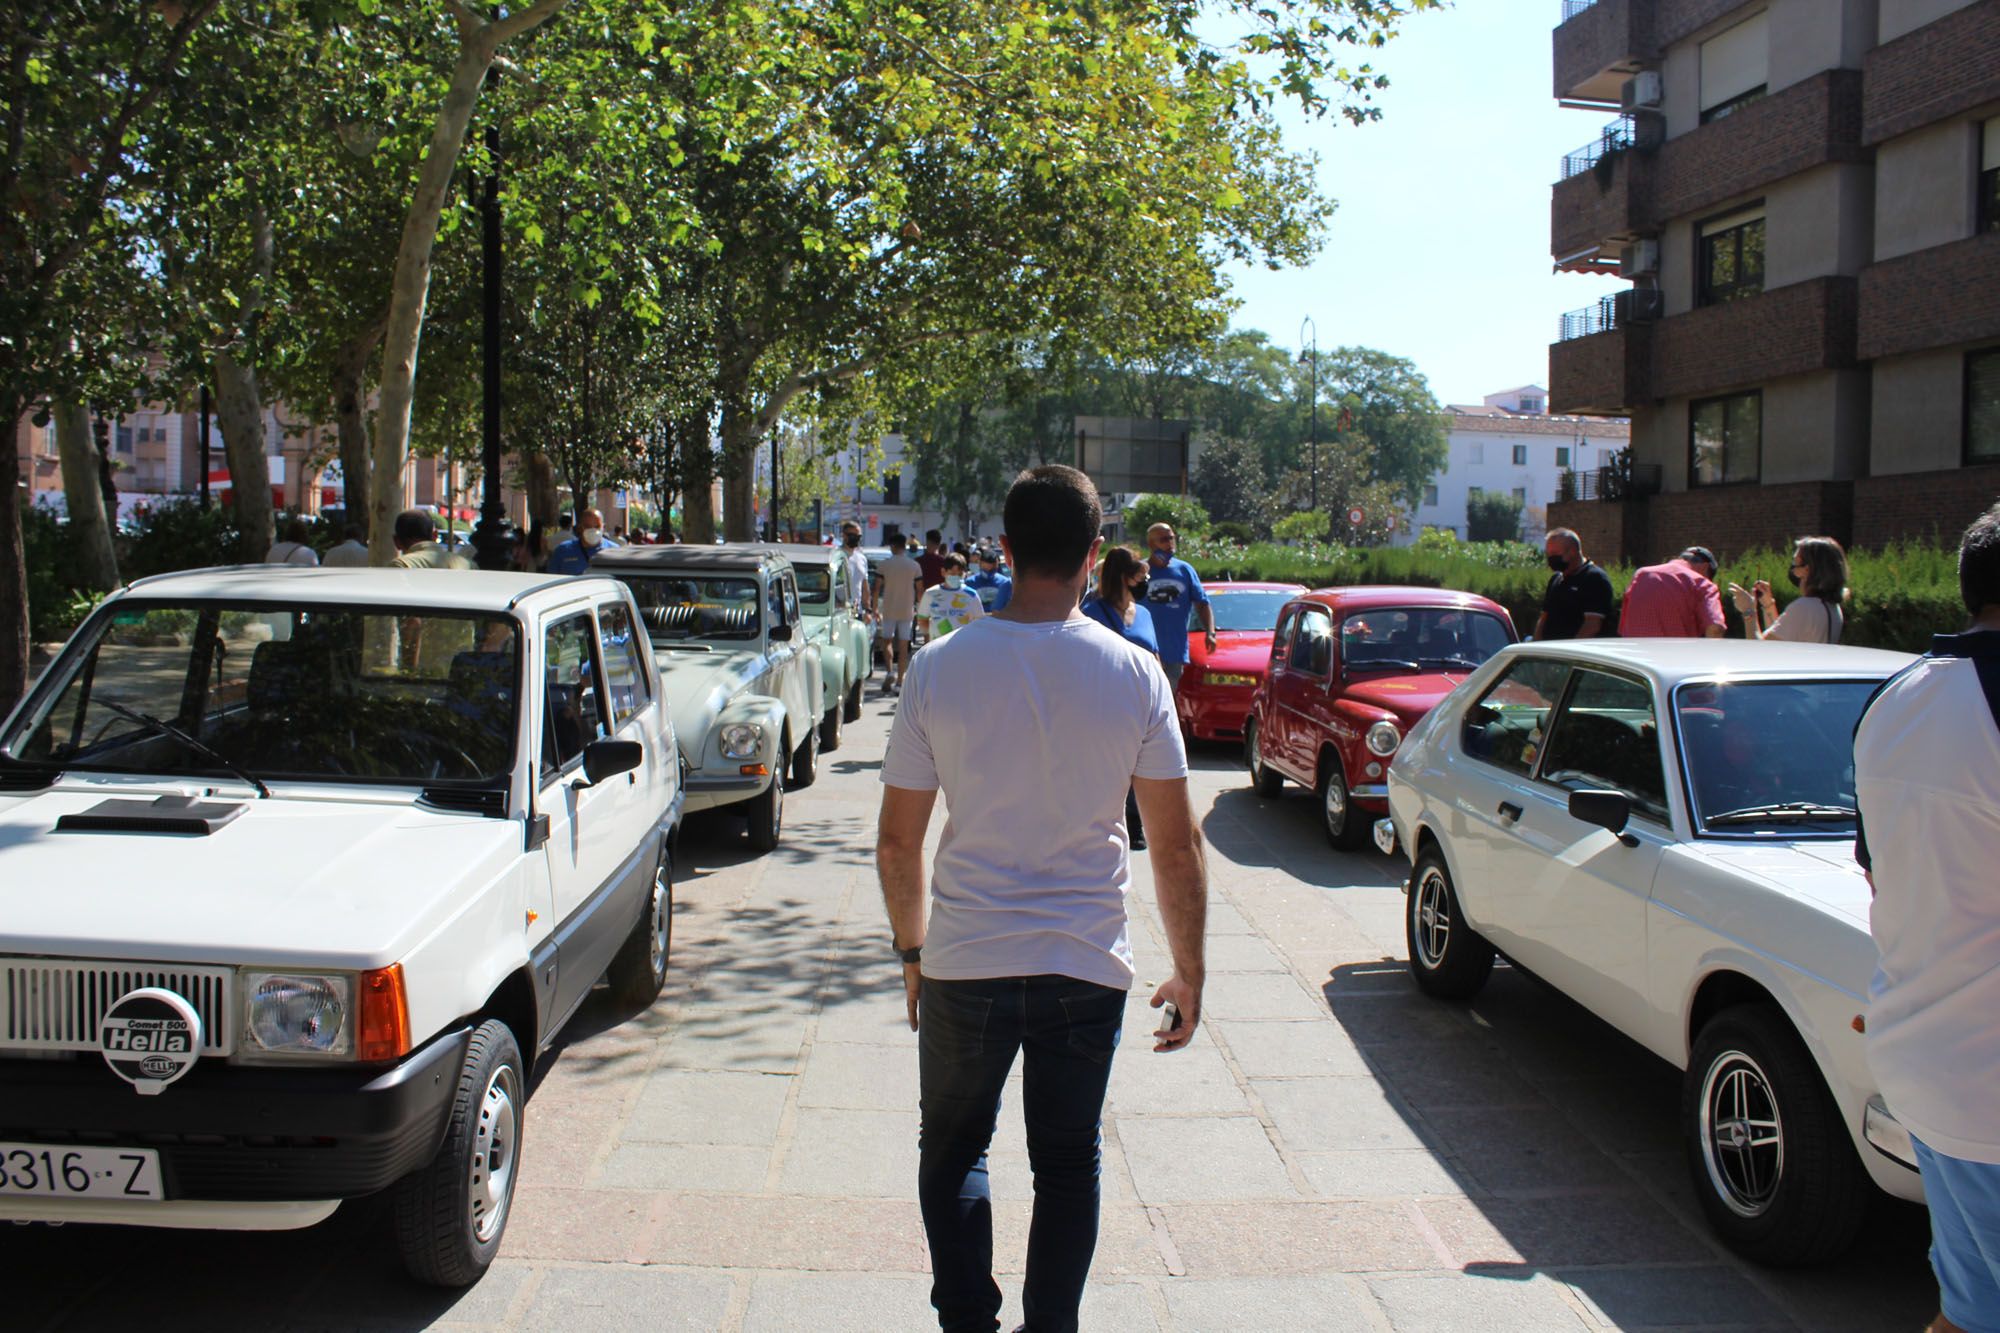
(1508, 810)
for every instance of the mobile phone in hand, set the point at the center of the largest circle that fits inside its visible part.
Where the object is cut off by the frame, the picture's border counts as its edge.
(1173, 1017)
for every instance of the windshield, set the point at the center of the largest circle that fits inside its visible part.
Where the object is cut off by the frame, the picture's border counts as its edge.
(312, 692)
(815, 588)
(1420, 638)
(705, 610)
(1247, 610)
(1772, 757)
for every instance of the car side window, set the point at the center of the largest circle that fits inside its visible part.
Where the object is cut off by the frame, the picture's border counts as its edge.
(1281, 639)
(1312, 643)
(1508, 723)
(774, 600)
(624, 668)
(1607, 738)
(791, 586)
(572, 716)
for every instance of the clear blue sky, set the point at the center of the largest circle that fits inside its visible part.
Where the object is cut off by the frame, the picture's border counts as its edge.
(1439, 251)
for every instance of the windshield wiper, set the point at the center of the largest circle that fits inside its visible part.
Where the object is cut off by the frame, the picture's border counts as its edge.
(173, 732)
(1793, 811)
(1384, 664)
(1464, 662)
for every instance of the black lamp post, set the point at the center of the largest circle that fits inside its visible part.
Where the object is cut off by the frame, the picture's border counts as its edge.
(492, 540)
(1304, 324)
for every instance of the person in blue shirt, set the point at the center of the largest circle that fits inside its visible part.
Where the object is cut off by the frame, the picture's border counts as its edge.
(1121, 584)
(1172, 590)
(573, 556)
(993, 587)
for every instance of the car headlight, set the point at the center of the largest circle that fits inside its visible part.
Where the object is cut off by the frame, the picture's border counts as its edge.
(741, 740)
(1383, 738)
(1230, 678)
(290, 1013)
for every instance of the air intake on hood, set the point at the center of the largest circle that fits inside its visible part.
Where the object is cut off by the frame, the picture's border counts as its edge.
(182, 815)
(488, 801)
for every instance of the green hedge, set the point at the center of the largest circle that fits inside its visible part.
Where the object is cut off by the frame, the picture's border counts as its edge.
(1900, 596)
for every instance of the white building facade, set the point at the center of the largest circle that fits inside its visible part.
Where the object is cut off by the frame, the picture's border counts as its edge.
(1510, 443)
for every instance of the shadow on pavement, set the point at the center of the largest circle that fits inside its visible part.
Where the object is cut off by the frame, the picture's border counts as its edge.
(1284, 833)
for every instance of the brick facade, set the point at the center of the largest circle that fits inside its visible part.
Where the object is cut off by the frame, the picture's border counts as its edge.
(1605, 36)
(1603, 205)
(1922, 505)
(1791, 330)
(1730, 520)
(1933, 73)
(1806, 125)
(1931, 298)
(1603, 374)
(1608, 529)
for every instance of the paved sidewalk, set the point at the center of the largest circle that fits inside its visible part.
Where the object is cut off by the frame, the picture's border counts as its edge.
(1333, 1152)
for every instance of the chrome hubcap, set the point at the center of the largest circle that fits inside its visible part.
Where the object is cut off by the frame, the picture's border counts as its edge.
(1742, 1137)
(494, 1153)
(1336, 803)
(1256, 756)
(1431, 910)
(662, 918)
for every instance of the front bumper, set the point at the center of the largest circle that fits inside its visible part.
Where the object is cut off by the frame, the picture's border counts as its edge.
(707, 791)
(239, 1133)
(1216, 713)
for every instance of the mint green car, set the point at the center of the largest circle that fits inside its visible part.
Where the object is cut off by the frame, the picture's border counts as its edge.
(833, 621)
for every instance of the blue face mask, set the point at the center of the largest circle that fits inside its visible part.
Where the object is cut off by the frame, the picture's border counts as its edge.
(953, 580)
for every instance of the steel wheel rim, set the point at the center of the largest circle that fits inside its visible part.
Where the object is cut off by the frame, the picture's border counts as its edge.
(777, 799)
(1336, 804)
(1256, 754)
(1742, 1134)
(495, 1150)
(656, 951)
(1430, 911)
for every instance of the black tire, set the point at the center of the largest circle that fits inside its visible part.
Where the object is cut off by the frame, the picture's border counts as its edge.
(766, 812)
(1799, 1196)
(853, 710)
(1346, 828)
(1448, 958)
(639, 972)
(451, 1214)
(805, 761)
(1264, 780)
(829, 729)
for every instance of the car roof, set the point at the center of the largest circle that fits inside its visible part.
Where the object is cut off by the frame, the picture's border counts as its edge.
(470, 589)
(799, 553)
(1363, 597)
(1253, 586)
(1671, 661)
(741, 556)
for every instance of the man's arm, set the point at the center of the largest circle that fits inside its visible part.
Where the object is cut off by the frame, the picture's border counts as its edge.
(899, 862)
(1180, 882)
(1592, 626)
(1540, 621)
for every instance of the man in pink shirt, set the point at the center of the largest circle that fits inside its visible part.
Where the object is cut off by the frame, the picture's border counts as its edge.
(1677, 600)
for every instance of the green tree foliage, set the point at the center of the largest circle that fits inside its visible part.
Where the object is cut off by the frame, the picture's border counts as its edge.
(1228, 478)
(1492, 516)
(1183, 512)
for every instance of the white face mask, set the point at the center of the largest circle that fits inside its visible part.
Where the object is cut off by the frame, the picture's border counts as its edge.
(593, 536)
(954, 580)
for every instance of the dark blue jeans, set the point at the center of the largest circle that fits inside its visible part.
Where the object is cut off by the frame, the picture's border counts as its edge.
(968, 1033)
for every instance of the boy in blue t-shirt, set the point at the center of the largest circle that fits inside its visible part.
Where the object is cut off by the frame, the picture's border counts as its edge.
(1173, 589)
(993, 587)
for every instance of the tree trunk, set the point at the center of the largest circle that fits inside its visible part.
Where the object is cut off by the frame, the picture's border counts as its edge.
(13, 561)
(739, 495)
(82, 492)
(479, 41)
(697, 478)
(240, 411)
(543, 504)
(350, 414)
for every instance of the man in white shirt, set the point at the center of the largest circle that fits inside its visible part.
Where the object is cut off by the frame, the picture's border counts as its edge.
(1027, 947)
(291, 547)
(900, 573)
(350, 554)
(1927, 779)
(857, 570)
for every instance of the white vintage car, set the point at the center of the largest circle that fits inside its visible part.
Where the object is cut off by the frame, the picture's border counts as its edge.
(1663, 830)
(741, 674)
(303, 869)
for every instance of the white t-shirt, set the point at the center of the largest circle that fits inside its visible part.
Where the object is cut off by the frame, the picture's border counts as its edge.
(291, 553)
(349, 554)
(948, 609)
(857, 579)
(1808, 620)
(1927, 773)
(1032, 870)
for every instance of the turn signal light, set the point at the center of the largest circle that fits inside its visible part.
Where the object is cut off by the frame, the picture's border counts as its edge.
(1860, 1023)
(384, 1030)
(756, 770)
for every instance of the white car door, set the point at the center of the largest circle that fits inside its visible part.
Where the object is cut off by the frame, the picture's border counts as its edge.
(1492, 780)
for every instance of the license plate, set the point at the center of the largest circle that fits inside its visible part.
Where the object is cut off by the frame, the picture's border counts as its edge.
(50, 1171)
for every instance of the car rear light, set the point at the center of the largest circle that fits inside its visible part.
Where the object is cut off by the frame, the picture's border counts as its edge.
(384, 1030)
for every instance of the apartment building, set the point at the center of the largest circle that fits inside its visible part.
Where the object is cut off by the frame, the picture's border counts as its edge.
(1805, 195)
(1510, 442)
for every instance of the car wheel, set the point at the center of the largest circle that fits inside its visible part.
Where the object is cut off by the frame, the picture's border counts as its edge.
(854, 701)
(805, 760)
(1448, 958)
(451, 1214)
(1346, 827)
(639, 972)
(829, 729)
(767, 812)
(1263, 780)
(1771, 1159)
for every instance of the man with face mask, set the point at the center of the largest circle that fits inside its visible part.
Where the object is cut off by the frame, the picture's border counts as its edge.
(1579, 600)
(1172, 592)
(950, 604)
(857, 570)
(574, 555)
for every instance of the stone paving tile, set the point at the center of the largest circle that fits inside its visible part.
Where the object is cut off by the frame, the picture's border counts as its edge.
(856, 1154)
(601, 1224)
(767, 1045)
(1295, 1239)
(681, 1166)
(1298, 1049)
(1519, 1303)
(774, 1232)
(837, 1302)
(874, 1020)
(1328, 1304)
(689, 1106)
(1240, 953)
(1193, 1080)
(1525, 1149)
(1453, 1072)
(1375, 1018)
(1379, 1175)
(1125, 1243)
(868, 1078)
(1576, 1229)
(605, 1297)
(1258, 995)
(1654, 1297)
(1180, 1158)
(1336, 1115)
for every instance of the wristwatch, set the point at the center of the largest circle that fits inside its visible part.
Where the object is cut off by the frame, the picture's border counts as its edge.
(910, 955)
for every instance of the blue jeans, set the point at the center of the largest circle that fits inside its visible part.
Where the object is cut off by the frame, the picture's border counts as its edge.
(967, 1036)
(1964, 1202)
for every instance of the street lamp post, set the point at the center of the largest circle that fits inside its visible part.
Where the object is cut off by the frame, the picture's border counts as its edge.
(492, 542)
(1304, 324)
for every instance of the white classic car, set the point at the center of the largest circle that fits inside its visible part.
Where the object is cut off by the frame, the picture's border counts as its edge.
(1663, 830)
(303, 868)
(741, 675)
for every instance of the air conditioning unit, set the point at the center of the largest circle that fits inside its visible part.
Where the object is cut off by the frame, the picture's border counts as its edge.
(1641, 305)
(1641, 92)
(1641, 259)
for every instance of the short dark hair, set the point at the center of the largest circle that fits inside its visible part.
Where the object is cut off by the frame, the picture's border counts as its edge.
(954, 560)
(356, 533)
(1565, 535)
(934, 536)
(1052, 518)
(413, 526)
(1979, 562)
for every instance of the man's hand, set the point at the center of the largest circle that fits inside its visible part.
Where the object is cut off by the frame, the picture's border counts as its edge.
(1186, 999)
(1210, 639)
(913, 989)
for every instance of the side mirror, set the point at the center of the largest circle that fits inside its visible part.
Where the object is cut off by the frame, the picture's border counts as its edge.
(1607, 809)
(606, 759)
(781, 633)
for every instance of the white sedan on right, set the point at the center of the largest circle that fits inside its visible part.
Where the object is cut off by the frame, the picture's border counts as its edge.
(1663, 830)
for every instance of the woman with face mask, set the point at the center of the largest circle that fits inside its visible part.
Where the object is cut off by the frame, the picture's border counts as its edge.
(1116, 604)
(1819, 572)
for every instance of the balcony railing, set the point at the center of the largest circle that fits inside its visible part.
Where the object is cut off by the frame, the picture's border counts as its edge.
(1615, 137)
(1571, 8)
(1619, 481)
(1635, 305)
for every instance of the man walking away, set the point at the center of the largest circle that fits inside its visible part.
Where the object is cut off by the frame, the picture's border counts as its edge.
(350, 554)
(1027, 947)
(1927, 774)
(574, 555)
(1677, 600)
(993, 587)
(932, 560)
(1173, 589)
(898, 603)
(291, 547)
(1578, 603)
(415, 535)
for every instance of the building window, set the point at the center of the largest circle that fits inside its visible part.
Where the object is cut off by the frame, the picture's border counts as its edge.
(1475, 453)
(1520, 455)
(1730, 260)
(892, 489)
(1431, 494)
(1735, 68)
(1473, 493)
(1521, 494)
(1725, 439)
(1562, 455)
(1989, 175)
(1531, 404)
(124, 439)
(1982, 406)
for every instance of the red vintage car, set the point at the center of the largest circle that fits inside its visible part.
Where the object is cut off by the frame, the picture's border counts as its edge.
(1215, 689)
(1351, 671)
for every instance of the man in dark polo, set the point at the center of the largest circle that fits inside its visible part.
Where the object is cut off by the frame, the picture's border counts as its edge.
(1579, 600)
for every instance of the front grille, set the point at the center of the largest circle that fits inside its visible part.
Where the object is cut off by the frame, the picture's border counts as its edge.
(57, 1004)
